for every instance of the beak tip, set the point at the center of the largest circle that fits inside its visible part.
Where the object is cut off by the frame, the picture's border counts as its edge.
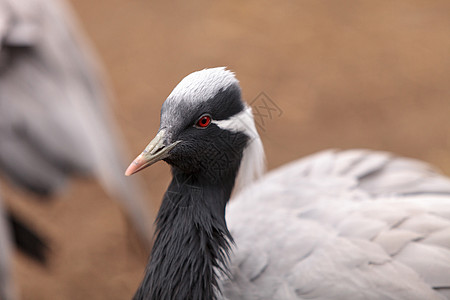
(134, 166)
(129, 171)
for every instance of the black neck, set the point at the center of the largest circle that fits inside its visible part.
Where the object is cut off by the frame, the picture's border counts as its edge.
(192, 241)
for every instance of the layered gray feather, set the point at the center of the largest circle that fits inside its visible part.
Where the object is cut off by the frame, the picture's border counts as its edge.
(352, 224)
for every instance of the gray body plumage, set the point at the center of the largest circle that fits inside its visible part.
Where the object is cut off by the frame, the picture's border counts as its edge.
(54, 116)
(352, 224)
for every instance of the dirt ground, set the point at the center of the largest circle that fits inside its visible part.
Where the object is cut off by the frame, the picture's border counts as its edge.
(344, 74)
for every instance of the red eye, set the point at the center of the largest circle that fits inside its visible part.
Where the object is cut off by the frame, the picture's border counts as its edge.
(204, 121)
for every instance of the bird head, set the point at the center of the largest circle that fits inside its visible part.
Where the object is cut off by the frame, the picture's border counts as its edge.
(206, 130)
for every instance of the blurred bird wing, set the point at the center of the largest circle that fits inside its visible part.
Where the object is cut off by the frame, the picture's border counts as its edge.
(19, 22)
(8, 289)
(343, 225)
(55, 120)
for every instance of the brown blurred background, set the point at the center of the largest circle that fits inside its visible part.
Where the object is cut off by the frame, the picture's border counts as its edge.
(371, 74)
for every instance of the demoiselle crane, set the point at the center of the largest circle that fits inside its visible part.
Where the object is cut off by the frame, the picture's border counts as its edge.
(353, 224)
(55, 120)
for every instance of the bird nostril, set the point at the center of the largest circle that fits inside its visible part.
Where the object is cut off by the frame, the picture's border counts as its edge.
(159, 149)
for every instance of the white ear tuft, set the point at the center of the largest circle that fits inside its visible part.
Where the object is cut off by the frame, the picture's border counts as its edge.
(253, 163)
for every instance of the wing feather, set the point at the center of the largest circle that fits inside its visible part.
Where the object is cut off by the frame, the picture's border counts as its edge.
(352, 224)
(431, 262)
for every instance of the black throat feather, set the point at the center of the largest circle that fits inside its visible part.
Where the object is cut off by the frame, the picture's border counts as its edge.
(192, 242)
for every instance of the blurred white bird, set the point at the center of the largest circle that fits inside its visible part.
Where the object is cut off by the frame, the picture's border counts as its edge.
(355, 224)
(55, 120)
